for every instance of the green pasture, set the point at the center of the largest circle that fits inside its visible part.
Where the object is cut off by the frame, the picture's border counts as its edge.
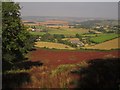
(103, 37)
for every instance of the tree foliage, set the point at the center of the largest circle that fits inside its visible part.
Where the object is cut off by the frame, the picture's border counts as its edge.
(16, 41)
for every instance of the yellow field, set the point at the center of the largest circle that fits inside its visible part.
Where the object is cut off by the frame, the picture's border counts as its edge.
(53, 45)
(112, 44)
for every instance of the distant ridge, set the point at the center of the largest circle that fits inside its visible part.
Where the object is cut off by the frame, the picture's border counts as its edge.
(70, 19)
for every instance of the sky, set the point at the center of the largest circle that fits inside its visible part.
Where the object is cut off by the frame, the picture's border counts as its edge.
(70, 9)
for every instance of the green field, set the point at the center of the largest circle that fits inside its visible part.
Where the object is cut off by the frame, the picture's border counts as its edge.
(103, 37)
(37, 33)
(64, 31)
(68, 31)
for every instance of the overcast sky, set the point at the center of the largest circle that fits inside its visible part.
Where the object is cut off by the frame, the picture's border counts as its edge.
(70, 9)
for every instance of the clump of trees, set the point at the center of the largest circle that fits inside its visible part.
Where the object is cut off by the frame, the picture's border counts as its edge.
(16, 40)
(52, 38)
(57, 38)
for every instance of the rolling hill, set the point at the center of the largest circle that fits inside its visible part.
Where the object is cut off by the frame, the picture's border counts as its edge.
(108, 45)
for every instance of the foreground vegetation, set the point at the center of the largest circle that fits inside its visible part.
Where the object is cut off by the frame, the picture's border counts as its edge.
(83, 75)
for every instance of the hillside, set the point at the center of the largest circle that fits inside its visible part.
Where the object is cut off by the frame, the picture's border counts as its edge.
(112, 44)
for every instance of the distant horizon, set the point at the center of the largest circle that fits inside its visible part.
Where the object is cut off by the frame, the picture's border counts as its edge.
(74, 17)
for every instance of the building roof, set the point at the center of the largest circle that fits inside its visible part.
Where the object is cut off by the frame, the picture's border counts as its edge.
(78, 42)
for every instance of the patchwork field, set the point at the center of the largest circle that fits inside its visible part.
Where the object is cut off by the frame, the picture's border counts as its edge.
(53, 45)
(112, 44)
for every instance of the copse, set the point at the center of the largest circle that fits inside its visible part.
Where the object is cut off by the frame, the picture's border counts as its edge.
(16, 41)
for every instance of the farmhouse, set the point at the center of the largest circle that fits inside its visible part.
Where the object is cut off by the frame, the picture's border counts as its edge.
(76, 41)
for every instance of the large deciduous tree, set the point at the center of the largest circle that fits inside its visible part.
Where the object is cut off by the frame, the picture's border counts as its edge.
(16, 40)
